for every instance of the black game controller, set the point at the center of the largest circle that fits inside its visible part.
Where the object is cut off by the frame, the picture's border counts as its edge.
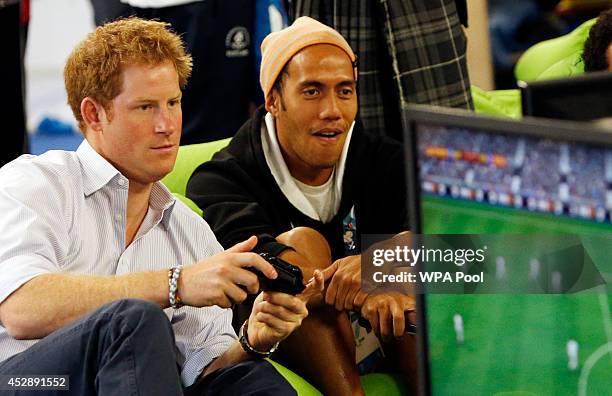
(289, 279)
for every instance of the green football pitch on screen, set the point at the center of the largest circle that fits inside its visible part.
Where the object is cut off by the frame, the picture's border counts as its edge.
(513, 344)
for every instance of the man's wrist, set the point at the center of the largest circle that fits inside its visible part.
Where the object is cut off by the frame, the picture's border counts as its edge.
(248, 347)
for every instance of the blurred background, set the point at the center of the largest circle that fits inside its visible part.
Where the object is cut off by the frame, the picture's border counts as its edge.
(498, 32)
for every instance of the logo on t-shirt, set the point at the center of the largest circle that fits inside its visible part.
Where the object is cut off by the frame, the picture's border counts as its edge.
(349, 233)
(237, 42)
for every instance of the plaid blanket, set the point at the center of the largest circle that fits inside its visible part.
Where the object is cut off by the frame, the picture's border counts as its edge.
(409, 51)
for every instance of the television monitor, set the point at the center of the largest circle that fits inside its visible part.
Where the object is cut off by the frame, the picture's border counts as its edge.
(579, 98)
(469, 174)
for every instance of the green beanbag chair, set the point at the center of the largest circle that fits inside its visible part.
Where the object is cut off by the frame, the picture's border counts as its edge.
(503, 103)
(373, 384)
(555, 58)
(384, 385)
(189, 157)
(302, 387)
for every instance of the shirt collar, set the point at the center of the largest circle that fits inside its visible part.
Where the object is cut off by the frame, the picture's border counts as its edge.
(98, 172)
(162, 200)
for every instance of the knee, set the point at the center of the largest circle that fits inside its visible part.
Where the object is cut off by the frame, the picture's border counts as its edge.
(134, 305)
(310, 244)
(140, 314)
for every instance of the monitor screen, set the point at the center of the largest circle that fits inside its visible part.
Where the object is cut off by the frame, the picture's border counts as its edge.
(579, 98)
(474, 175)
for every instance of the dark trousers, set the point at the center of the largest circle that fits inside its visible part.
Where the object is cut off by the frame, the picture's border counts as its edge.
(108, 10)
(223, 83)
(127, 348)
(247, 378)
(216, 100)
(123, 348)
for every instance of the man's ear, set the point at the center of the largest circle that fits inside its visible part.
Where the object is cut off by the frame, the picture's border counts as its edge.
(93, 114)
(273, 102)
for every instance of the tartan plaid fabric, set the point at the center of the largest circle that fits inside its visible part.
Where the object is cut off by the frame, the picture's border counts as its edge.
(409, 51)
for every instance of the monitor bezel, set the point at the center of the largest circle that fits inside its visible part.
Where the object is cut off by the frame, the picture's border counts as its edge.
(562, 130)
(568, 86)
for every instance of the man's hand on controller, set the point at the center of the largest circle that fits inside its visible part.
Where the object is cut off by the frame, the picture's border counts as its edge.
(276, 315)
(222, 279)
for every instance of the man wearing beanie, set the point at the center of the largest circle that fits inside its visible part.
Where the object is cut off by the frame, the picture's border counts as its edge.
(303, 176)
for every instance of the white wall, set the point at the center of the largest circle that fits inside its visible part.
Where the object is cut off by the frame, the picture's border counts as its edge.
(55, 27)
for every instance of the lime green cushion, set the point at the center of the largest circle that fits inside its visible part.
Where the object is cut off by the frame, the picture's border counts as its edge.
(373, 384)
(384, 385)
(571, 66)
(506, 103)
(190, 204)
(563, 54)
(188, 159)
(300, 385)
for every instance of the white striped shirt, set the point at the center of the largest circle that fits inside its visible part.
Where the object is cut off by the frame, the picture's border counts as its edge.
(64, 212)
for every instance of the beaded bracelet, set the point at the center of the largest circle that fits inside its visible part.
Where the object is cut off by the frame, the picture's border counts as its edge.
(173, 293)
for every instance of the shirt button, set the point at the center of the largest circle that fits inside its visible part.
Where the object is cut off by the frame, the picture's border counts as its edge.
(121, 182)
(118, 217)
